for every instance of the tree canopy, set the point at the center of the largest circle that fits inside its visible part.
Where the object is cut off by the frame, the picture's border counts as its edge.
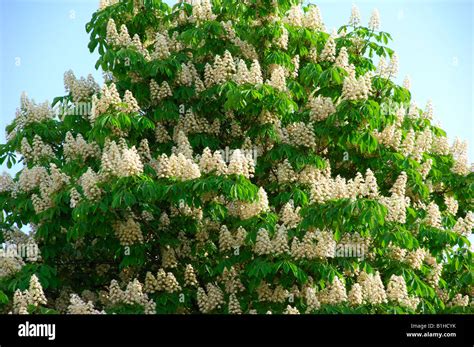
(237, 159)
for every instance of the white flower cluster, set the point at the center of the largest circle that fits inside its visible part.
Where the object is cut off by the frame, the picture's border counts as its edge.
(190, 278)
(29, 179)
(161, 47)
(452, 204)
(81, 89)
(39, 151)
(433, 215)
(228, 242)
(277, 78)
(188, 75)
(397, 203)
(34, 295)
(245, 75)
(325, 188)
(161, 134)
(416, 144)
(459, 300)
(390, 136)
(422, 144)
(313, 55)
(202, 11)
(144, 151)
(78, 148)
(131, 104)
(357, 244)
(159, 92)
(285, 173)
(459, 152)
(75, 198)
(128, 232)
(397, 292)
(282, 40)
(191, 123)
(396, 253)
(230, 279)
(429, 110)
(120, 161)
(168, 257)
(10, 265)
(435, 274)
(373, 291)
(291, 310)
(374, 21)
(49, 185)
(408, 143)
(78, 306)
(407, 82)
(294, 16)
(234, 305)
(324, 247)
(164, 281)
(289, 215)
(278, 245)
(6, 182)
(333, 294)
(342, 59)
(425, 168)
(313, 19)
(390, 70)
(183, 146)
(222, 70)
(296, 66)
(105, 3)
(440, 145)
(413, 111)
(329, 51)
(123, 39)
(301, 134)
(133, 294)
(183, 209)
(138, 45)
(214, 298)
(88, 182)
(30, 112)
(246, 210)
(415, 258)
(354, 20)
(241, 164)
(312, 302)
(209, 162)
(265, 293)
(177, 166)
(355, 295)
(465, 225)
(111, 98)
(354, 88)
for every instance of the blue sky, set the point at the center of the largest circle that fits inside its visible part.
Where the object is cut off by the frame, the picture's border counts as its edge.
(41, 39)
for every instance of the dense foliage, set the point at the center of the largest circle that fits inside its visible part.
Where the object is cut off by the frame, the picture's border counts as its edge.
(238, 159)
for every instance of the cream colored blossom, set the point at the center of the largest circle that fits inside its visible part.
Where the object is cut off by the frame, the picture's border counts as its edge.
(329, 51)
(320, 107)
(374, 22)
(128, 232)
